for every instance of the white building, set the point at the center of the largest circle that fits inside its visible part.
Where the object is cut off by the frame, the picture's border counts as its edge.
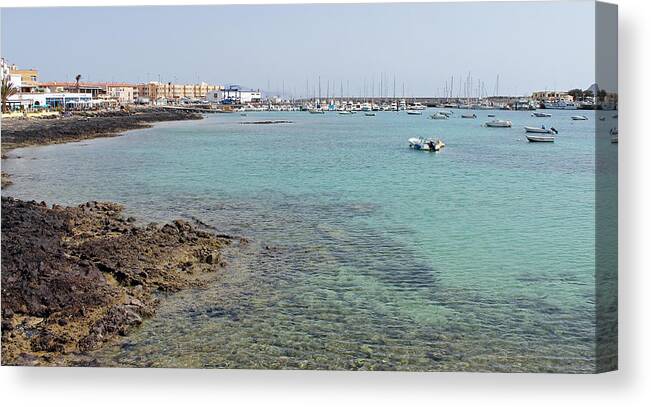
(50, 100)
(234, 95)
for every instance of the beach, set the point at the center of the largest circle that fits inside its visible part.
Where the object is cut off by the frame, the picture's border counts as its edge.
(19, 132)
(55, 129)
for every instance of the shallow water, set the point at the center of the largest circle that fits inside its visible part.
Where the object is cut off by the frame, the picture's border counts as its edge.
(364, 254)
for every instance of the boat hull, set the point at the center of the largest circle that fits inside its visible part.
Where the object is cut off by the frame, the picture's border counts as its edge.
(540, 139)
(537, 130)
(499, 124)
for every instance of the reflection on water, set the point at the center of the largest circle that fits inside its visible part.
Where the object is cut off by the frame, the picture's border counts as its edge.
(362, 255)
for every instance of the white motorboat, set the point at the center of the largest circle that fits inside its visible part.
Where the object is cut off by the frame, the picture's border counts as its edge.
(541, 114)
(415, 112)
(417, 106)
(468, 116)
(445, 112)
(581, 117)
(542, 130)
(346, 112)
(317, 111)
(419, 143)
(499, 123)
(540, 139)
(438, 116)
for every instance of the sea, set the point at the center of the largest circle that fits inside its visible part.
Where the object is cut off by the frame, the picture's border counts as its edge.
(362, 253)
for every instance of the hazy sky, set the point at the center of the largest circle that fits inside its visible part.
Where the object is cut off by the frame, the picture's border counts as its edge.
(532, 46)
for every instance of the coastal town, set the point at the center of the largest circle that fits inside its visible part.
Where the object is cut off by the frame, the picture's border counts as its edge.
(23, 93)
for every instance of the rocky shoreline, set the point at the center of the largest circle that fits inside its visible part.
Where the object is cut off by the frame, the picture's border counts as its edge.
(18, 132)
(74, 278)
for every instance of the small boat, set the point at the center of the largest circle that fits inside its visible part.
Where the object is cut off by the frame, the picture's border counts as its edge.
(499, 123)
(615, 116)
(445, 112)
(614, 135)
(542, 130)
(468, 116)
(438, 116)
(602, 118)
(317, 111)
(369, 114)
(419, 143)
(491, 115)
(581, 117)
(415, 112)
(541, 114)
(417, 106)
(540, 139)
(347, 112)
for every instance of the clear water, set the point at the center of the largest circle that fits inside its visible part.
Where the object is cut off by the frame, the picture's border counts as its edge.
(364, 254)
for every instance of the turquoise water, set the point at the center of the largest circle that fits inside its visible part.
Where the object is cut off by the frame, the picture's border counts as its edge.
(363, 254)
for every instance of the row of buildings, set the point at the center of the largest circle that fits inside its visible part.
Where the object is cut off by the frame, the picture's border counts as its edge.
(34, 94)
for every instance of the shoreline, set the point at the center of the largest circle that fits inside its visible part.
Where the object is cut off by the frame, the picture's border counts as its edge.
(19, 132)
(75, 278)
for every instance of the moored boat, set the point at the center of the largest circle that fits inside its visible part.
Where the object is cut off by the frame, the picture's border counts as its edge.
(468, 116)
(499, 123)
(369, 114)
(541, 114)
(614, 135)
(438, 116)
(419, 143)
(540, 139)
(580, 117)
(415, 112)
(542, 130)
(317, 111)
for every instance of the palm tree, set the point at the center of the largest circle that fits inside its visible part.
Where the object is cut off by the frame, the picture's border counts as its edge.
(78, 78)
(8, 90)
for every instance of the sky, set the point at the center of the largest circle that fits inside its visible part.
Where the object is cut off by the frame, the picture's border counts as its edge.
(530, 45)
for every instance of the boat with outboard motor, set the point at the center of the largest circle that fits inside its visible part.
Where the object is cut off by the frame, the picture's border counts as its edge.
(429, 144)
(540, 114)
(541, 129)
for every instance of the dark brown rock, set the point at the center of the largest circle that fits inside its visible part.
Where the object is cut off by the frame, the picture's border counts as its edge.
(72, 279)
